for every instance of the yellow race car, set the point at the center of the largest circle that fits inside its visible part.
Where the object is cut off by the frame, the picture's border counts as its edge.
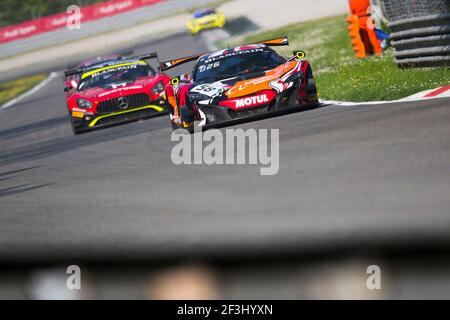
(205, 19)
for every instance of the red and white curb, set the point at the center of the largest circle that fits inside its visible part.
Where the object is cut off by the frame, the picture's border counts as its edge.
(28, 93)
(441, 92)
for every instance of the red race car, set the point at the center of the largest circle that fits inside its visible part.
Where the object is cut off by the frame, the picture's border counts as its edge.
(71, 82)
(116, 91)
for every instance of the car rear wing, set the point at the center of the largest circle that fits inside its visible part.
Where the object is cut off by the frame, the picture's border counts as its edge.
(148, 56)
(166, 65)
(281, 41)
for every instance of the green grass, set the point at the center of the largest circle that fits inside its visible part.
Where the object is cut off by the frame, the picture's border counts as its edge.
(339, 75)
(10, 90)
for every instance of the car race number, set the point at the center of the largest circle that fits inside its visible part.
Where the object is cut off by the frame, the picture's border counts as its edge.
(209, 66)
(208, 90)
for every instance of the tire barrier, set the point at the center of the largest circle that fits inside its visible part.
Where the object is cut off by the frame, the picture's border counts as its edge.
(420, 32)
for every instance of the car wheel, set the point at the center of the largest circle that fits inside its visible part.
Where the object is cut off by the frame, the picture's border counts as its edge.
(186, 113)
(311, 89)
(76, 129)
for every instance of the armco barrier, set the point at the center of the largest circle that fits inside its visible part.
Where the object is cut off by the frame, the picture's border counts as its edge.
(57, 21)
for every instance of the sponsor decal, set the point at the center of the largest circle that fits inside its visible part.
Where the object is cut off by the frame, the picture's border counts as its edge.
(114, 68)
(58, 21)
(243, 86)
(250, 101)
(118, 85)
(231, 54)
(119, 89)
(209, 90)
(78, 109)
(113, 7)
(21, 31)
(271, 80)
(217, 53)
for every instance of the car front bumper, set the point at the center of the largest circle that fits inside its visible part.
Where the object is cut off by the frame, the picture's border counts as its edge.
(91, 121)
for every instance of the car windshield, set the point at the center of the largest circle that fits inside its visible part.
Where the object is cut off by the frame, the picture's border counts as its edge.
(124, 73)
(236, 65)
(204, 12)
(98, 60)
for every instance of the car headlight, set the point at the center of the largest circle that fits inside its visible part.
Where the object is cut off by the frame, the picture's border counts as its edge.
(158, 88)
(84, 104)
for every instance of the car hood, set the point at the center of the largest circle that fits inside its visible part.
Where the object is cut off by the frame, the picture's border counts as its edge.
(118, 89)
(243, 85)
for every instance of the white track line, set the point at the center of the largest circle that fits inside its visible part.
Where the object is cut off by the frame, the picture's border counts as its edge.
(421, 96)
(28, 93)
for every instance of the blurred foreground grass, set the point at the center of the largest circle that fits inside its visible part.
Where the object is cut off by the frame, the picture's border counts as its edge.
(340, 76)
(10, 90)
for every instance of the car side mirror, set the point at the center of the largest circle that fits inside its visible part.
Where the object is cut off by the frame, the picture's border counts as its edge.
(183, 78)
(299, 54)
(186, 78)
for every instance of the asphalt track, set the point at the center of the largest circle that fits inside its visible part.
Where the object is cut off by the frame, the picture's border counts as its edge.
(359, 176)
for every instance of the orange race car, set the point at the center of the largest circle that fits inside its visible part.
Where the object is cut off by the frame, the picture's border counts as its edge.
(240, 82)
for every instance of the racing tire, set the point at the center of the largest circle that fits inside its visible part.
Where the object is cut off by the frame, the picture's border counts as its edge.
(311, 88)
(186, 113)
(76, 130)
